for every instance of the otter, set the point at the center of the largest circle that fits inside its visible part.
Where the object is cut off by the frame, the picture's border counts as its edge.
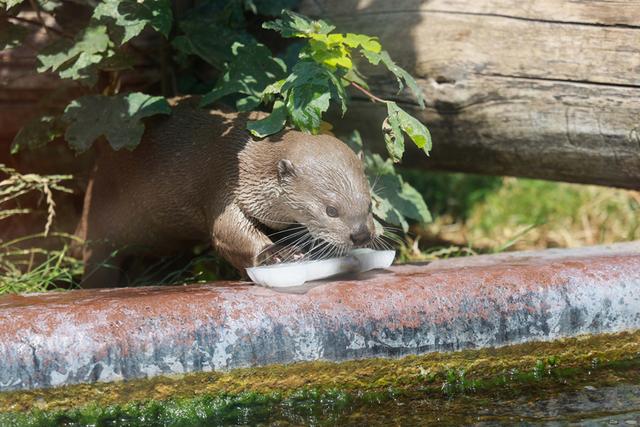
(198, 176)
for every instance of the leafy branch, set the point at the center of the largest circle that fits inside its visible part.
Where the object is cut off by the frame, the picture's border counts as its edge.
(212, 53)
(324, 68)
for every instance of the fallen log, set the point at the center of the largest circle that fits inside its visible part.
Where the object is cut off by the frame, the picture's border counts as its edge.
(540, 89)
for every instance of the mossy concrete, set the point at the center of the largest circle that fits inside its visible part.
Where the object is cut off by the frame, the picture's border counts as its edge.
(432, 373)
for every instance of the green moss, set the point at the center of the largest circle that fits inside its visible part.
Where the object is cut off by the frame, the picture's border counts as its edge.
(322, 389)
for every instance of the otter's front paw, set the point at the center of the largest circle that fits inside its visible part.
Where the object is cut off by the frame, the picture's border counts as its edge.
(278, 253)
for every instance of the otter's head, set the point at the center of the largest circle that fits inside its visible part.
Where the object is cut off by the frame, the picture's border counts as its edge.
(326, 190)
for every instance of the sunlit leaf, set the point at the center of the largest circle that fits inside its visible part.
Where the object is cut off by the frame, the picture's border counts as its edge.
(392, 131)
(78, 59)
(295, 25)
(399, 122)
(131, 16)
(8, 4)
(369, 44)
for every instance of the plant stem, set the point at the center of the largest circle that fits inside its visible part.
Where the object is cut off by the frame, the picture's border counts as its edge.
(369, 94)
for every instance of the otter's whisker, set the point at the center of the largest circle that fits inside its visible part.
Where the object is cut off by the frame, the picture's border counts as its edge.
(264, 219)
(387, 242)
(286, 250)
(326, 252)
(290, 236)
(321, 249)
(297, 229)
(393, 237)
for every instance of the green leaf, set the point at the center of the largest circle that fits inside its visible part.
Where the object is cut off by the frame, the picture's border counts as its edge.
(375, 165)
(400, 73)
(384, 210)
(78, 59)
(11, 35)
(115, 117)
(210, 41)
(403, 197)
(273, 89)
(253, 69)
(399, 121)
(271, 124)
(392, 131)
(413, 205)
(306, 104)
(367, 43)
(418, 132)
(221, 90)
(248, 103)
(394, 199)
(295, 25)
(50, 5)
(8, 4)
(132, 16)
(332, 56)
(36, 133)
(304, 73)
(307, 94)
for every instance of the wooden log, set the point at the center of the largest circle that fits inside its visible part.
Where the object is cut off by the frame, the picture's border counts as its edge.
(536, 88)
(540, 88)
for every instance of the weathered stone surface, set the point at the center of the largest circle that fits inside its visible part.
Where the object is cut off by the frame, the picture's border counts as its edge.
(106, 335)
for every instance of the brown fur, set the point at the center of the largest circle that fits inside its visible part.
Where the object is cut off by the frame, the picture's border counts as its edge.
(198, 176)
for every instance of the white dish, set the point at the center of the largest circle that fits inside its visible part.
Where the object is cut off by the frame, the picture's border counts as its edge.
(288, 275)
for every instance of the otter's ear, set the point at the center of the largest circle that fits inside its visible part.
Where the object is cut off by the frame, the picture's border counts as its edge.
(286, 169)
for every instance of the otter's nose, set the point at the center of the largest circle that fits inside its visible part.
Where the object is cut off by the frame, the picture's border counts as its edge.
(361, 237)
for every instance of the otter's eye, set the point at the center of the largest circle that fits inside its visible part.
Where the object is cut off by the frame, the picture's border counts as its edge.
(332, 212)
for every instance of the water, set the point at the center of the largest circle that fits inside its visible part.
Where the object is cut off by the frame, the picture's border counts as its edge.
(605, 406)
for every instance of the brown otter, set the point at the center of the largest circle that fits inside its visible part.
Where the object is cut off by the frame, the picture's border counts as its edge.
(198, 176)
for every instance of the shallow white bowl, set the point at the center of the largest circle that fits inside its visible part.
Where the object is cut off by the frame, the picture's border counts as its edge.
(288, 275)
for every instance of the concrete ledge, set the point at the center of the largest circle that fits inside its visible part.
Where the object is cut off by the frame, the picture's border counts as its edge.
(85, 336)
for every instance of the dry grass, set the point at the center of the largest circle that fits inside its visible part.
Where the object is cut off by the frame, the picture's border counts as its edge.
(25, 267)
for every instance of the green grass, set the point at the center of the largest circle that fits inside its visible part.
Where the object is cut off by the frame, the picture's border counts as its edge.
(497, 214)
